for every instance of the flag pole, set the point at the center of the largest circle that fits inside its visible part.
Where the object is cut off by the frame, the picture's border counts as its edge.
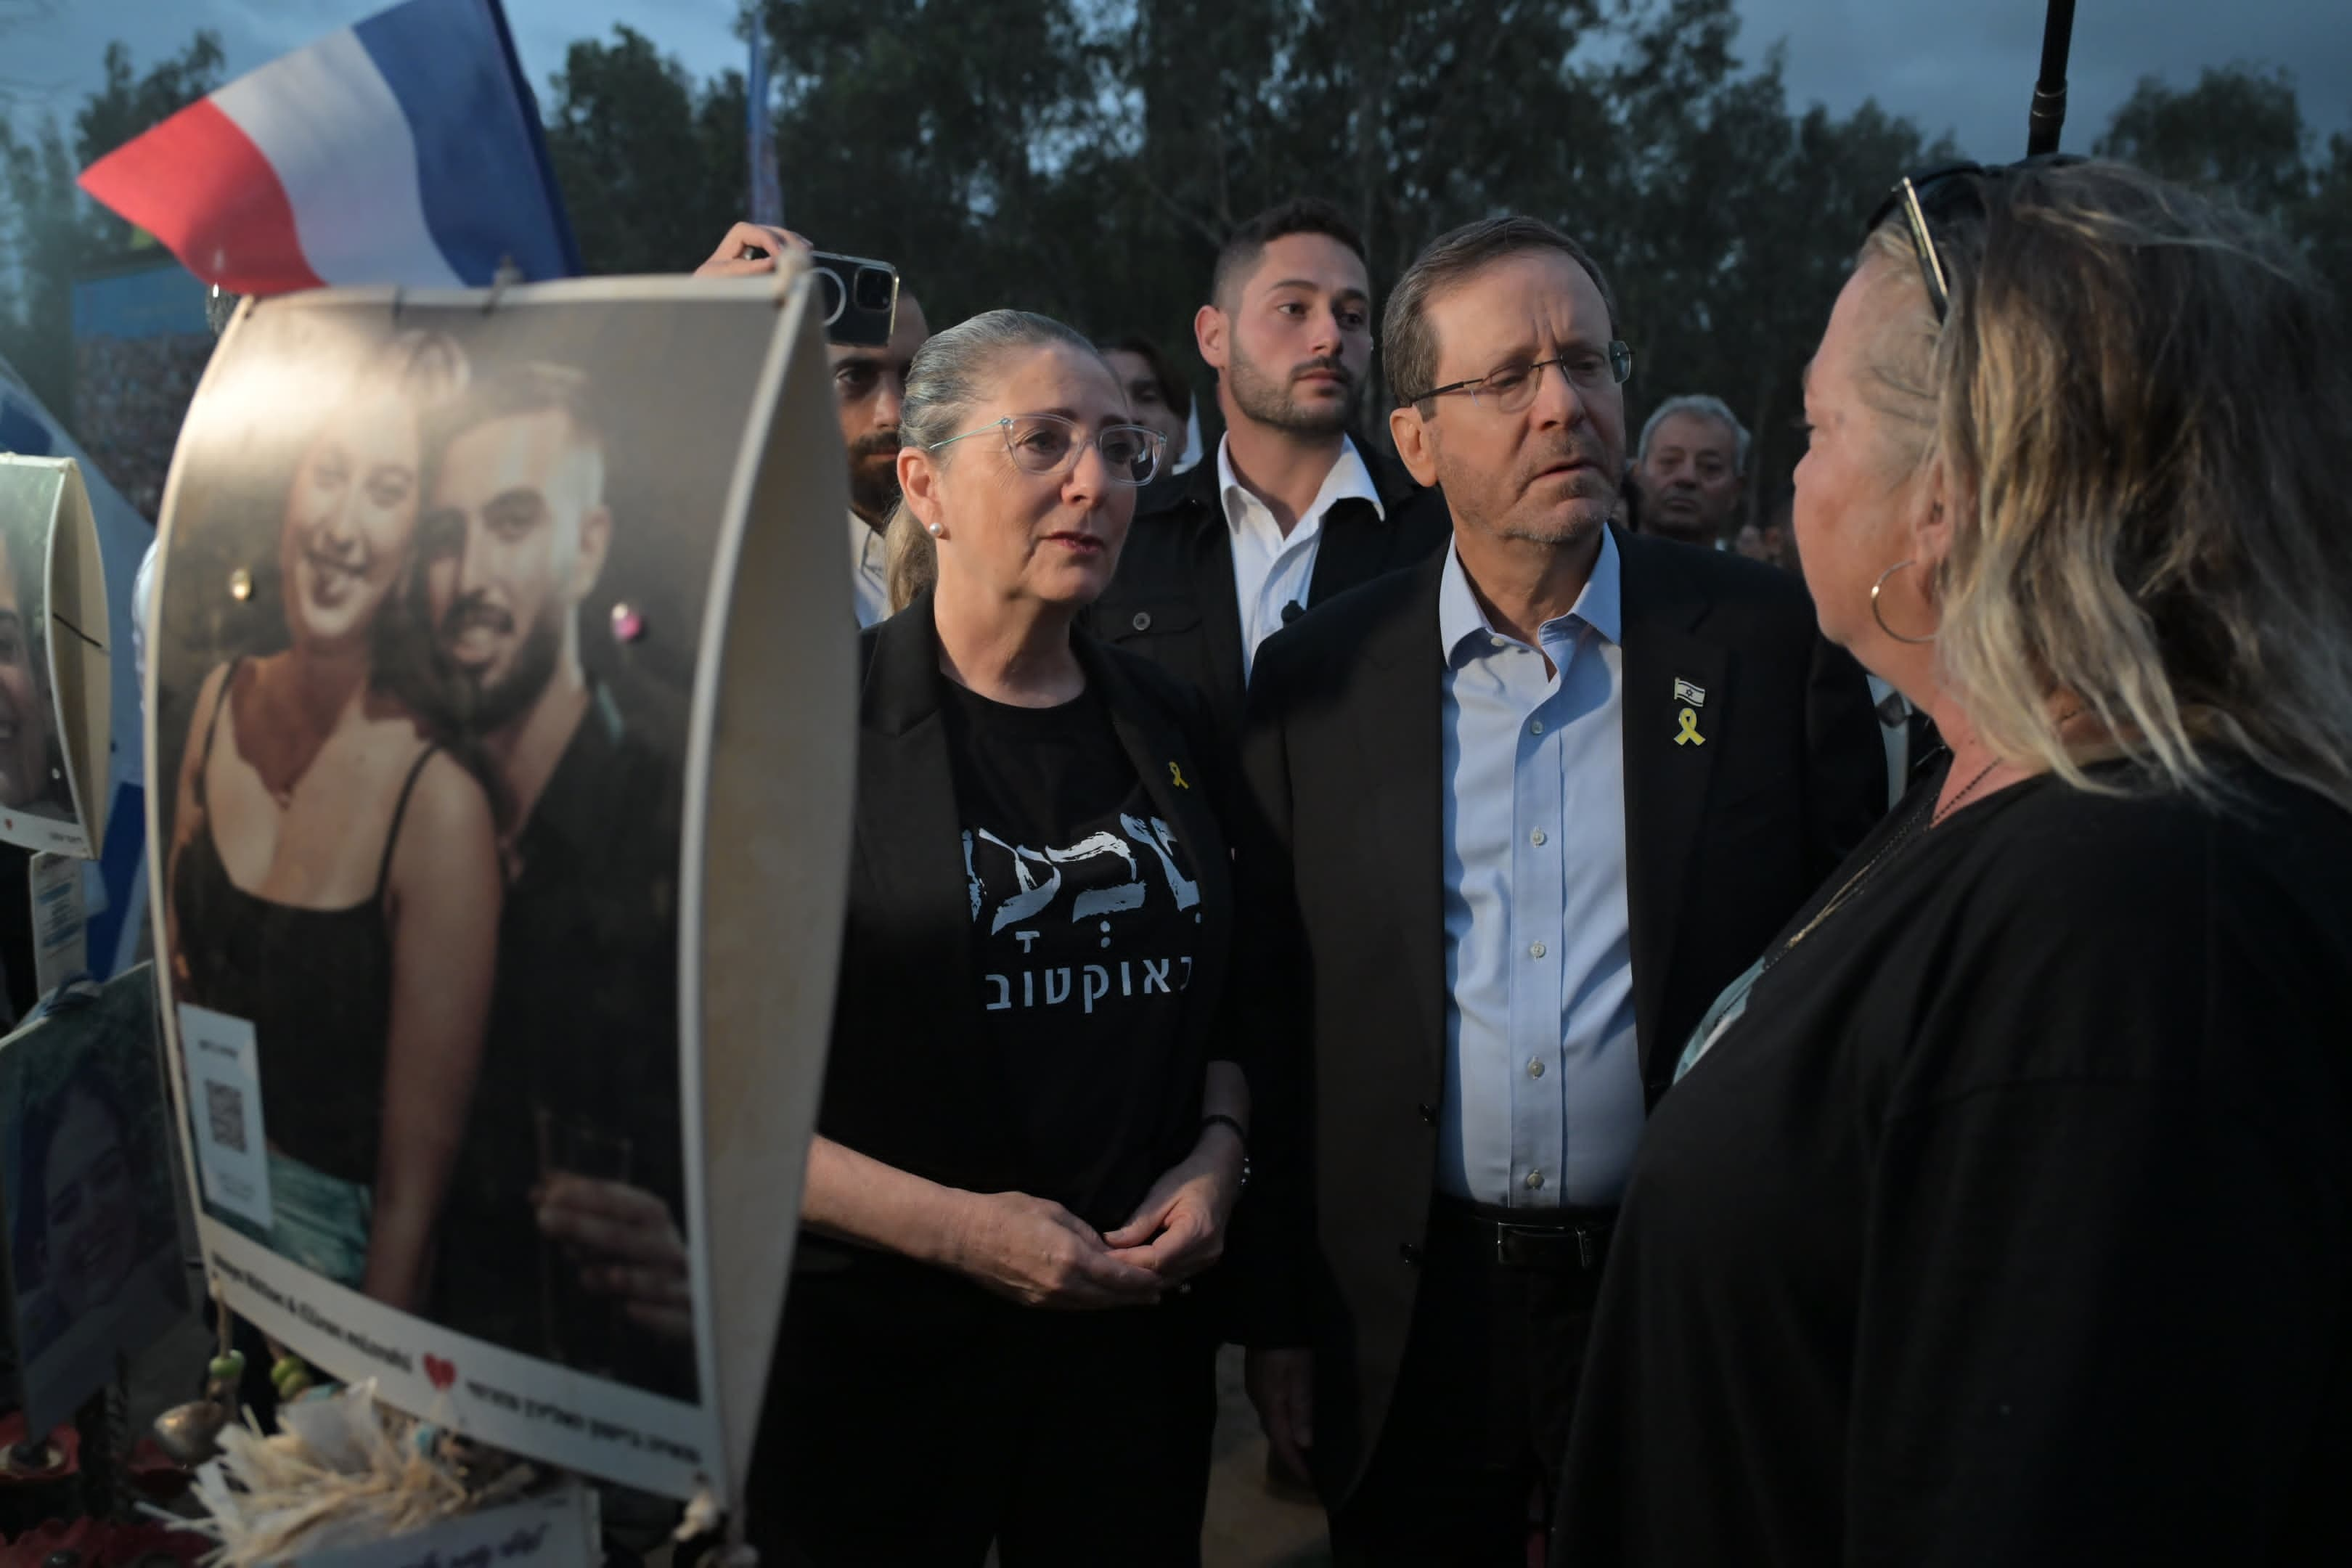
(767, 190)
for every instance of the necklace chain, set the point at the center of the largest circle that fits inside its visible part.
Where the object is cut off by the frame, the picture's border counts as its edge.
(1967, 790)
(1894, 841)
(1934, 815)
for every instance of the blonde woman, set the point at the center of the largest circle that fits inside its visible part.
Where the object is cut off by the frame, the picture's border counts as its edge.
(333, 872)
(2003, 1212)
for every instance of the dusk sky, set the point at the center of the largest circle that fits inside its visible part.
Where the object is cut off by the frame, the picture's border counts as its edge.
(1967, 68)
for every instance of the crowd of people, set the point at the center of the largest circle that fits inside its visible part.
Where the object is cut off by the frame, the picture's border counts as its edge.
(130, 397)
(1661, 1058)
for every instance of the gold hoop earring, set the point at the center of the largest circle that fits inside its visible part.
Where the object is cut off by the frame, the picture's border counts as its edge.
(1879, 617)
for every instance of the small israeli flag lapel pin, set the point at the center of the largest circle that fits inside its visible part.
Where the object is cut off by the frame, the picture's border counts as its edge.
(1692, 698)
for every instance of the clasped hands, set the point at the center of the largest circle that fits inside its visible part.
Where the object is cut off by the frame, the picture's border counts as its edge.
(1039, 1254)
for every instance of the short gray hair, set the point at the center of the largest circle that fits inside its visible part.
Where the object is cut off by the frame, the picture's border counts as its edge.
(1408, 347)
(1706, 406)
(950, 373)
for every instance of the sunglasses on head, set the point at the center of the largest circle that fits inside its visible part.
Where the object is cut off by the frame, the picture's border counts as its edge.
(1941, 188)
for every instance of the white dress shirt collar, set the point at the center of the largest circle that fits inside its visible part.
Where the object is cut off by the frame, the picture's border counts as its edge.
(869, 584)
(1274, 571)
(1350, 477)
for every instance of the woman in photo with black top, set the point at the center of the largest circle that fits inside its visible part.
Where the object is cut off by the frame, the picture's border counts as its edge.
(334, 875)
(2003, 1212)
(1029, 1144)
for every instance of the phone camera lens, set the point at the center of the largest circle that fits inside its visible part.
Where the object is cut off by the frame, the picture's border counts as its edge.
(873, 291)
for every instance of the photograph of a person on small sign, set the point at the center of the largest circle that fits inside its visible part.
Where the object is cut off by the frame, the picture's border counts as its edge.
(32, 757)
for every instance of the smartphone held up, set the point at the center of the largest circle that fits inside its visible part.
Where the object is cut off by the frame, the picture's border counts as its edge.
(860, 300)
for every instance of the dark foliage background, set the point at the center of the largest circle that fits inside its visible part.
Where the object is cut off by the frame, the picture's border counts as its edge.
(1084, 157)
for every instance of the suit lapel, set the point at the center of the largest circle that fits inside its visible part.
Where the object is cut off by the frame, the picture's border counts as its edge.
(1360, 540)
(1666, 775)
(1221, 606)
(912, 842)
(1161, 758)
(1396, 717)
(1353, 550)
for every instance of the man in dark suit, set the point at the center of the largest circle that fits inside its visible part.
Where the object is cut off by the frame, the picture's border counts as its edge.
(1523, 811)
(1292, 510)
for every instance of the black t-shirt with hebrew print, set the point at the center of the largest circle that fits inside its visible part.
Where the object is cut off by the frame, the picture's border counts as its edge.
(1085, 918)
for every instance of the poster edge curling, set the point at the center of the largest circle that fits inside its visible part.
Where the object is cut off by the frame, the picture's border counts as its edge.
(796, 349)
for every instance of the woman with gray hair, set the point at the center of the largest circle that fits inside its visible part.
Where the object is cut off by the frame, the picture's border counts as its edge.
(2003, 1213)
(1030, 1140)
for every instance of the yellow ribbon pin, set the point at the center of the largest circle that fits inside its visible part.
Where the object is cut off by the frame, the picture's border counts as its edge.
(1177, 775)
(1689, 735)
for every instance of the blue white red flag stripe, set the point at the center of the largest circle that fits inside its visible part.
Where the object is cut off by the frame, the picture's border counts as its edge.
(489, 188)
(405, 149)
(200, 185)
(359, 213)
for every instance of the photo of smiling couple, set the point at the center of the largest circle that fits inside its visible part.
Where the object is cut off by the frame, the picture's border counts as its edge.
(428, 633)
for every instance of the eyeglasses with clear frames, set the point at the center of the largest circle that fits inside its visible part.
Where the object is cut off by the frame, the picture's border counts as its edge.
(1049, 444)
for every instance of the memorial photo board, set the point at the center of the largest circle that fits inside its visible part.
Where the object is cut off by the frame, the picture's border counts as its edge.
(85, 1162)
(115, 891)
(457, 595)
(54, 668)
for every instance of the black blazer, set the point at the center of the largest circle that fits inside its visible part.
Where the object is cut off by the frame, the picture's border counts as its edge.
(1173, 599)
(908, 1081)
(1341, 950)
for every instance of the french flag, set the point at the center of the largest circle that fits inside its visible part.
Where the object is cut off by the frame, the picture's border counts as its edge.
(406, 149)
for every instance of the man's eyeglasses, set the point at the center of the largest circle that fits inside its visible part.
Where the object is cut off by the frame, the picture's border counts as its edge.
(1510, 388)
(1940, 188)
(1049, 444)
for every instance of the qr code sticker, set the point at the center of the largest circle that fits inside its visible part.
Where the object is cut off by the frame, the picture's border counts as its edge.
(224, 1105)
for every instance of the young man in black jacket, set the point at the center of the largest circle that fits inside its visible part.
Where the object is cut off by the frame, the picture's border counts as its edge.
(1291, 511)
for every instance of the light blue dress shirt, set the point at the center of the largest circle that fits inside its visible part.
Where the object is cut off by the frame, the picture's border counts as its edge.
(1543, 1077)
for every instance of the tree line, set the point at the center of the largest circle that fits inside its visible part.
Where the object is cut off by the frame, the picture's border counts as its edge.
(1084, 157)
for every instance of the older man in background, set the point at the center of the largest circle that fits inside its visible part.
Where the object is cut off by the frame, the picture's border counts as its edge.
(1691, 459)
